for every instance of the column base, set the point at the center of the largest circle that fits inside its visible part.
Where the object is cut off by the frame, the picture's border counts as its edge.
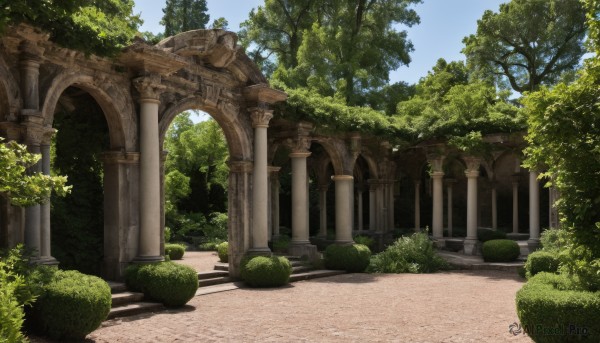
(439, 242)
(533, 245)
(470, 247)
(47, 260)
(305, 250)
(147, 259)
(259, 252)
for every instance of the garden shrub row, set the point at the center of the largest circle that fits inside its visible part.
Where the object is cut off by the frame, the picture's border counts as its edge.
(169, 283)
(552, 308)
(541, 261)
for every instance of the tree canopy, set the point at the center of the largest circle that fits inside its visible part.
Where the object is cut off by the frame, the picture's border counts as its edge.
(184, 15)
(101, 27)
(529, 42)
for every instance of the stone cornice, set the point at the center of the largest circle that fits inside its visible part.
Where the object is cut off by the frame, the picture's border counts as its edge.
(148, 59)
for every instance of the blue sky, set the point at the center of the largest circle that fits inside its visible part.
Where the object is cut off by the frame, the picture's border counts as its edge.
(444, 23)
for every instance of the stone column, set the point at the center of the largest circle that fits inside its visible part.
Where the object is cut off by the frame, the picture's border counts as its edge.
(323, 211)
(359, 197)
(29, 67)
(149, 243)
(417, 205)
(381, 209)
(299, 198)
(494, 207)
(343, 225)
(515, 203)
(372, 206)
(391, 205)
(437, 222)
(274, 172)
(472, 173)
(239, 213)
(534, 211)
(260, 122)
(46, 256)
(33, 238)
(449, 184)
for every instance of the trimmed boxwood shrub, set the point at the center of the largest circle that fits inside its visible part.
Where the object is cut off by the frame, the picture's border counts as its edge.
(352, 258)
(500, 250)
(541, 261)
(223, 252)
(550, 309)
(484, 235)
(262, 271)
(70, 304)
(169, 283)
(174, 251)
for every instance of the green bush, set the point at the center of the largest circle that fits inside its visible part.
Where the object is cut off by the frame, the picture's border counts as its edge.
(541, 261)
(70, 304)
(352, 258)
(484, 235)
(174, 251)
(500, 250)
(261, 271)
(223, 252)
(281, 244)
(364, 240)
(553, 239)
(169, 283)
(412, 254)
(552, 309)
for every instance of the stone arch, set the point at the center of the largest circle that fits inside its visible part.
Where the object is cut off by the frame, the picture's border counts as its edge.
(115, 103)
(238, 133)
(371, 164)
(335, 156)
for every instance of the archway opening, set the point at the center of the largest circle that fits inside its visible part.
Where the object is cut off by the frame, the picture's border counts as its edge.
(77, 220)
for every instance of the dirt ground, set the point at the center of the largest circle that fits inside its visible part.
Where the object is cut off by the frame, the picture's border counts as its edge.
(458, 306)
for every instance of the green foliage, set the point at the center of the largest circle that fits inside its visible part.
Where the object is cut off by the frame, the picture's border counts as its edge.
(551, 309)
(500, 250)
(70, 305)
(184, 15)
(554, 240)
(15, 293)
(261, 271)
(23, 189)
(223, 252)
(281, 243)
(528, 42)
(412, 254)
(541, 261)
(364, 240)
(484, 235)
(167, 282)
(352, 258)
(174, 251)
(102, 27)
(78, 219)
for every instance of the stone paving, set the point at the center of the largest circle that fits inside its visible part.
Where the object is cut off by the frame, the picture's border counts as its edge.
(457, 306)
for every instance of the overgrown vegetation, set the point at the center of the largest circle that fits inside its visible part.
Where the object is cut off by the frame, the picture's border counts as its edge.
(411, 254)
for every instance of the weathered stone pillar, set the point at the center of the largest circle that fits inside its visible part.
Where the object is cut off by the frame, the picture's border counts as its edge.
(449, 184)
(359, 198)
(260, 122)
(417, 205)
(472, 174)
(274, 189)
(373, 206)
(323, 211)
(391, 205)
(515, 203)
(343, 227)
(46, 256)
(29, 67)
(534, 211)
(149, 245)
(33, 239)
(381, 209)
(437, 222)
(239, 213)
(299, 198)
(494, 207)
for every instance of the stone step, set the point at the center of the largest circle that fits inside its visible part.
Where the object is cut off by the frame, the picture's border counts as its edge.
(222, 266)
(116, 287)
(315, 274)
(301, 269)
(212, 274)
(133, 309)
(122, 298)
(214, 281)
(219, 288)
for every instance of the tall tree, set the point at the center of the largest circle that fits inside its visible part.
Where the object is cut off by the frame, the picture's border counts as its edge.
(184, 15)
(529, 42)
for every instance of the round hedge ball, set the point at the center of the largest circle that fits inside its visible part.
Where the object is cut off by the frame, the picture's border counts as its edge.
(223, 252)
(541, 261)
(261, 271)
(174, 251)
(169, 283)
(352, 258)
(71, 305)
(500, 250)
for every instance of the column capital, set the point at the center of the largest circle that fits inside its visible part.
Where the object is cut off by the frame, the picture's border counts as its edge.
(120, 157)
(36, 134)
(473, 164)
(240, 166)
(150, 87)
(300, 146)
(31, 54)
(260, 116)
(470, 173)
(336, 178)
(437, 174)
(273, 169)
(436, 161)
